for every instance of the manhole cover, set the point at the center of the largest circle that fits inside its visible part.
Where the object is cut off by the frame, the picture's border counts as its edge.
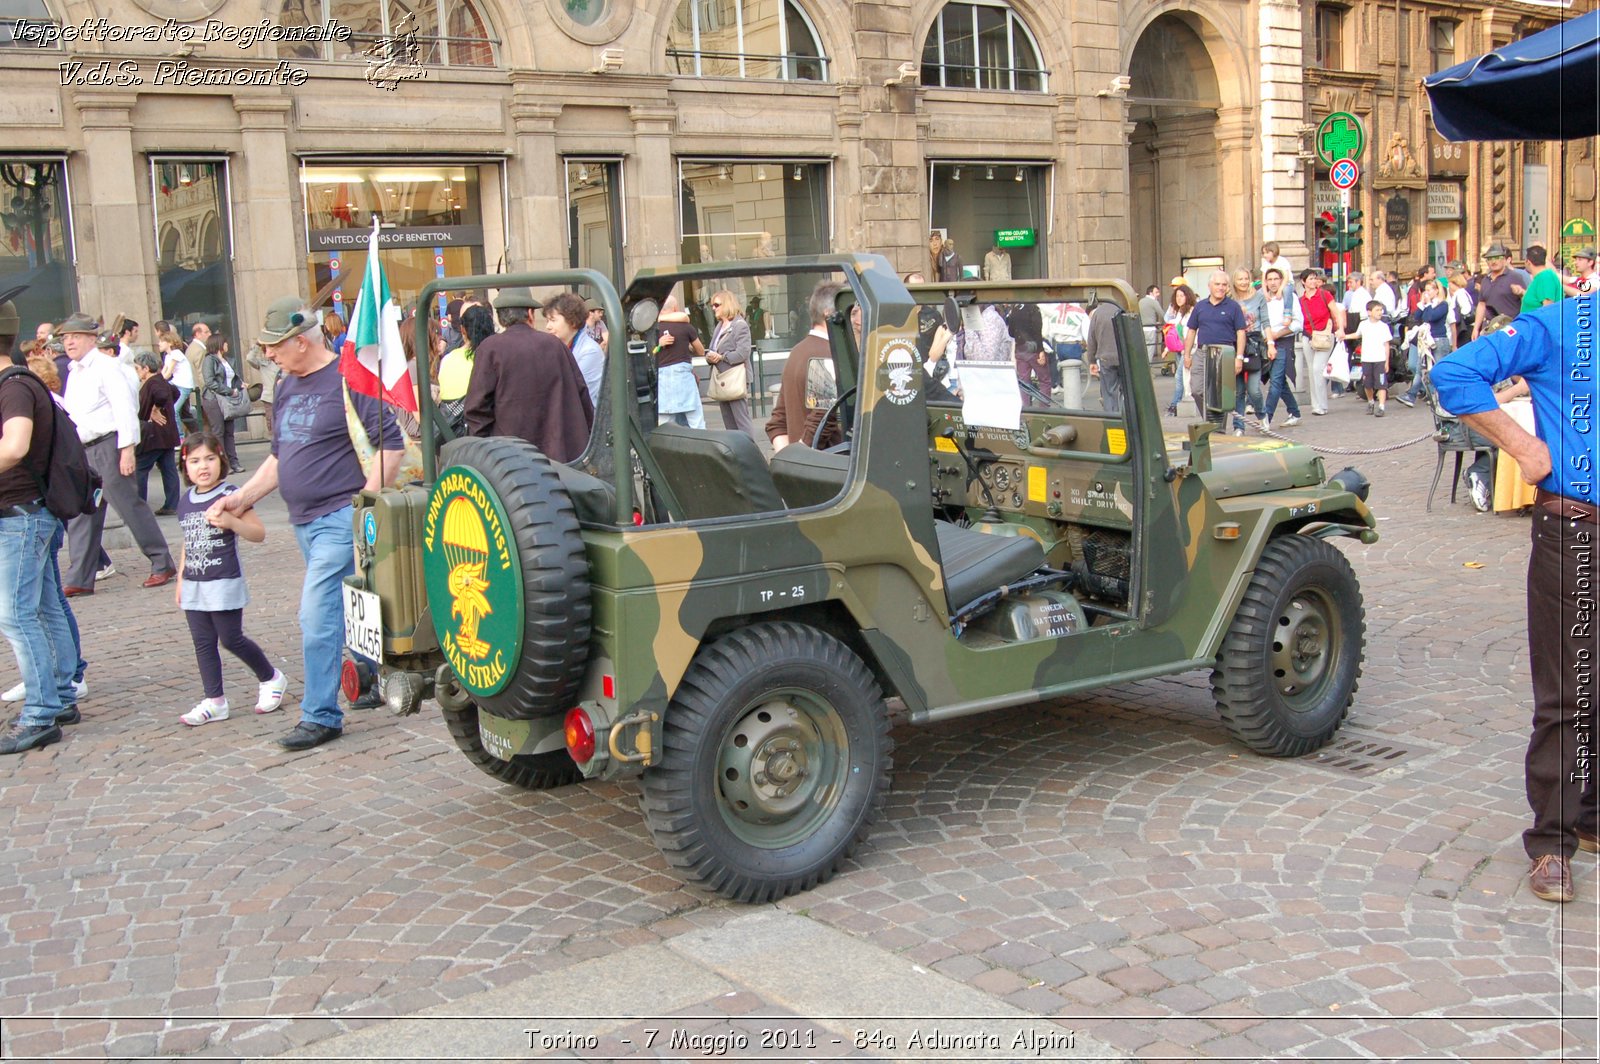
(1365, 755)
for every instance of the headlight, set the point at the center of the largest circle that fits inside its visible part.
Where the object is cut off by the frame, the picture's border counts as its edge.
(1351, 479)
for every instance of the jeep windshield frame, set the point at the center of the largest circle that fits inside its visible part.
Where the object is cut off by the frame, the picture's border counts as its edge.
(870, 280)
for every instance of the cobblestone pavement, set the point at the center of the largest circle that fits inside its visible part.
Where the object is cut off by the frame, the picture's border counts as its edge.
(1114, 861)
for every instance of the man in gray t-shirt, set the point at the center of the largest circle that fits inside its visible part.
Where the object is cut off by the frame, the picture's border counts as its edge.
(314, 464)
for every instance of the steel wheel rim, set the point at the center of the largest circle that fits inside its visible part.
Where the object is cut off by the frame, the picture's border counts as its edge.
(782, 769)
(1304, 650)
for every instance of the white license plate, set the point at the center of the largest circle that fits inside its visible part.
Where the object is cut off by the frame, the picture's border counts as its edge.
(363, 623)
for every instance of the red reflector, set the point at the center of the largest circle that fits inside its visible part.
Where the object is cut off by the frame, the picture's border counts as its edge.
(608, 686)
(580, 736)
(350, 680)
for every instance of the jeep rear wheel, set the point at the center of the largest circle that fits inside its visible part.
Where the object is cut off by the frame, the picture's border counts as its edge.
(775, 761)
(548, 623)
(533, 772)
(1288, 667)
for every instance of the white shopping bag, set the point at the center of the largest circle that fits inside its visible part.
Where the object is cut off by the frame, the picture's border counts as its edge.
(1338, 367)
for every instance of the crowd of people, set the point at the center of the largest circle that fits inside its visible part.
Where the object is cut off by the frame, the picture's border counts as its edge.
(130, 411)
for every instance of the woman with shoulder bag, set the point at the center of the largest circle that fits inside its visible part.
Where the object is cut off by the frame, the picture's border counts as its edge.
(1247, 383)
(222, 396)
(1323, 315)
(728, 355)
(1177, 328)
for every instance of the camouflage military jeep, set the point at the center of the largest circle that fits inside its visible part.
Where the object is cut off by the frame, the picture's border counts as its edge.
(674, 608)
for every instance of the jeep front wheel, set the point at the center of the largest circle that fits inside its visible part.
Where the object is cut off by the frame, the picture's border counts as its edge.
(531, 772)
(775, 761)
(1287, 671)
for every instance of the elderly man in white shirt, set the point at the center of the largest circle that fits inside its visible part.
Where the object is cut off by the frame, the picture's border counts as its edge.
(106, 412)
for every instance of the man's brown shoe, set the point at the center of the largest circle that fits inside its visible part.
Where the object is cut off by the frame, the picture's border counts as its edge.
(160, 577)
(73, 592)
(1551, 878)
(1588, 842)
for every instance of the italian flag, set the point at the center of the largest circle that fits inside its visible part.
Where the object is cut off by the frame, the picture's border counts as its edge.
(373, 362)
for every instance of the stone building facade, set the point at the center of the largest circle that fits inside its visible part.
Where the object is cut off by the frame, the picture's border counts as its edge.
(1425, 199)
(187, 158)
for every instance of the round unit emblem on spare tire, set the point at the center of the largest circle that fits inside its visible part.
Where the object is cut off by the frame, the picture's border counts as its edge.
(474, 580)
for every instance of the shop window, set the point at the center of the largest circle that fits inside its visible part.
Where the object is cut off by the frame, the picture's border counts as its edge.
(745, 39)
(195, 263)
(1327, 38)
(594, 217)
(36, 240)
(431, 216)
(993, 216)
(1442, 42)
(448, 33)
(30, 13)
(982, 45)
(739, 210)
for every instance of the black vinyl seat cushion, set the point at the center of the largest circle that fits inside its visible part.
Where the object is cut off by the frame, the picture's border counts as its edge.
(714, 472)
(808, 477)
(976, 563)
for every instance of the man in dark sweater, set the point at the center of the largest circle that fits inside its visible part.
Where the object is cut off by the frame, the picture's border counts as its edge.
(809, 385)
(526, 384)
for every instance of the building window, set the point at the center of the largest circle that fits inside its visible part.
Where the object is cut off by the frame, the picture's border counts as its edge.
(982, 45)
(739, 210)
(432, 219)
(36, 240)
(993, 215)
(1328, 37)
(32, 13)
(448, 33)
(1442, 42)
(745, 39)
(193, 246)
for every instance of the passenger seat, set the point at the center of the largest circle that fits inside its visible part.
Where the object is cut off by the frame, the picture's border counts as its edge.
(714, 472)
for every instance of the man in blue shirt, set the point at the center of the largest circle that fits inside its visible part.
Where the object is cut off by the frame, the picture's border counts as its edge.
(1216, 330)
(1553, 349)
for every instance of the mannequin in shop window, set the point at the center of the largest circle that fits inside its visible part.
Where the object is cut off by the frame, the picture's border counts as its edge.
(997, 264)
(947, 265)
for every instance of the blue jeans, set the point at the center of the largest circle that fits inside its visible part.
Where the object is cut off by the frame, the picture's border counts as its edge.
(56, 542)
(1242, 387)
(179, 407)
(31, 617)
(1278, 370)
(327, 544)
(166, 461)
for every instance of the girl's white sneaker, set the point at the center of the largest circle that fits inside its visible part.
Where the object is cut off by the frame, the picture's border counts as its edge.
(270, 695)
(207, 711)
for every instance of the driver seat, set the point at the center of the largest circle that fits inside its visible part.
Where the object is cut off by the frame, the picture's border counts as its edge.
(976, 563)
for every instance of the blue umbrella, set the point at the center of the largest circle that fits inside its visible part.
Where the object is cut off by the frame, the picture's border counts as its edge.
(1544, 87)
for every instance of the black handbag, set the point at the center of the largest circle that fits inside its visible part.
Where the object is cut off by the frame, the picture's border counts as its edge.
(1255, 352)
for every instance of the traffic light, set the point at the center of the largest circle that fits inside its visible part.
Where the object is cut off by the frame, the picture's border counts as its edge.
(1352, 229)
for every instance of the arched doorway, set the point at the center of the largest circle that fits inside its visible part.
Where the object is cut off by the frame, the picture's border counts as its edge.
(1175, 172)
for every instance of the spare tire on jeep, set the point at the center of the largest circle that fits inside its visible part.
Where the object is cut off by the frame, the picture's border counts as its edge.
(507, 579)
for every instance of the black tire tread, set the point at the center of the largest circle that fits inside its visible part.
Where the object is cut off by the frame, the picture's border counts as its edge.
(531, 772)
(555, 575)
(1243, 693)
(665, 790)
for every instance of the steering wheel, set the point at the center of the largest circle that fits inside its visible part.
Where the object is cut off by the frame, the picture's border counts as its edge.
(845, 431)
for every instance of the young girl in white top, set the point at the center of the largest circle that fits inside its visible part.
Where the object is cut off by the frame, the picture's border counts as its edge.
(211, 589)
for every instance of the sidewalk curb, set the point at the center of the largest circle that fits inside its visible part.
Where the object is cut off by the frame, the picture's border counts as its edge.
(786, 960)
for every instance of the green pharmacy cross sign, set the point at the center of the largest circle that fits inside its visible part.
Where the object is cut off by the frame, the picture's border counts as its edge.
(1340, 136)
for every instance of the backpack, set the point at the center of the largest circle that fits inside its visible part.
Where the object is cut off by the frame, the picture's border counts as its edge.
(69, 487)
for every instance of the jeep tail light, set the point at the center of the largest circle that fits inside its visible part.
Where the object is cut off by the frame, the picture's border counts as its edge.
(580, 736)
(608, 687)
(350, 680)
